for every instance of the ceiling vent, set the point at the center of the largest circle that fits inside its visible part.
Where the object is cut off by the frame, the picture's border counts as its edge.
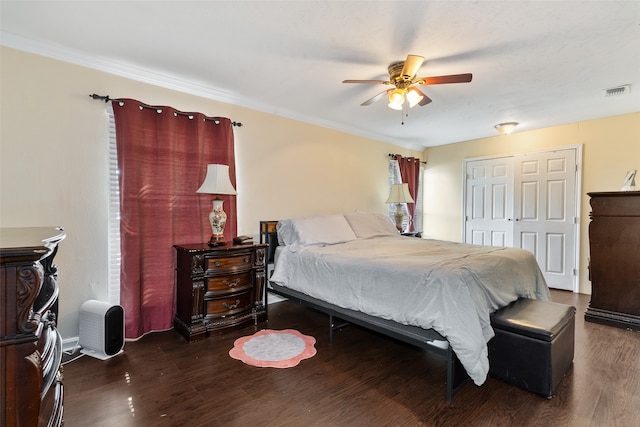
(617, 91)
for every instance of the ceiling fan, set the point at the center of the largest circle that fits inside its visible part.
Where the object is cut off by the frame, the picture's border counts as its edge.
(402, 75)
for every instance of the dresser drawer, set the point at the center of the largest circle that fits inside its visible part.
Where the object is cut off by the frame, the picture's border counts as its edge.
(229, 283)
(227, 306)
(237, 261)
(616, 204)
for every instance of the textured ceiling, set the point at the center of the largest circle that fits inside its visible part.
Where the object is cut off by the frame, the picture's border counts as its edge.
(540, 63)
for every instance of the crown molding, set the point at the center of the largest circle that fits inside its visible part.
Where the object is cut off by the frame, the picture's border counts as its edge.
(131, 72)
(128, 71)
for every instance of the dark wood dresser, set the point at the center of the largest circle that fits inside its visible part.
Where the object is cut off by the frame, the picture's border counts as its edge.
(30, 345)
(219, 288)
(614, 266)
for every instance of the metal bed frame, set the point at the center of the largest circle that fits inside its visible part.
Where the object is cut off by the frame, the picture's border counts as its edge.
(426, 339)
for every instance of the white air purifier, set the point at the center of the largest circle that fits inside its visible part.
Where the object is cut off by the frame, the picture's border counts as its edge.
(101, 329)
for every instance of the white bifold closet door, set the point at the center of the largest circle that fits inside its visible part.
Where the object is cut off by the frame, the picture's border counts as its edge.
(527, 201)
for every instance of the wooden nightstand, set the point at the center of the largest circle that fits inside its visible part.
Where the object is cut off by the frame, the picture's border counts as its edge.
(218, 289)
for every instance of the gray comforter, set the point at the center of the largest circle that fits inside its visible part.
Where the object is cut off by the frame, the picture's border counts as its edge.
(450, 287)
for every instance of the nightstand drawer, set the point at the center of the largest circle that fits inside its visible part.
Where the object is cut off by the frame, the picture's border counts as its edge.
(227, 306)
(230, 283)
(243, 260)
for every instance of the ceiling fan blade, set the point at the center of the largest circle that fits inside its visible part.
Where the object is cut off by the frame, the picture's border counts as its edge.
(373, 82)
(425, 99)
(438, 80)
(411, 65)
(375, 98)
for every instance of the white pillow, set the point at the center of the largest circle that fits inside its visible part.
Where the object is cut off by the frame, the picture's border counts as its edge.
(315, 230)
(285, 232)
(365, 224)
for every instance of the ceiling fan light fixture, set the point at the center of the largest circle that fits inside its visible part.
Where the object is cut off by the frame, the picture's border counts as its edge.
(506, 128)
(396, 99)
(403, 75)
(414, 98)
(395, 106)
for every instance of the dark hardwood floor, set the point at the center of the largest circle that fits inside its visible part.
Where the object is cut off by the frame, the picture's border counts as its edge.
(363, 379)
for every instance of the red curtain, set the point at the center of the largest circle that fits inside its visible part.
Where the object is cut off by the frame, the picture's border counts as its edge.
(162, 159)
(410, 173)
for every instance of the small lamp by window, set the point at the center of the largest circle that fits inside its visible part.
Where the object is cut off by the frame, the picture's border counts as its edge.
(217, 182)
(399, 194)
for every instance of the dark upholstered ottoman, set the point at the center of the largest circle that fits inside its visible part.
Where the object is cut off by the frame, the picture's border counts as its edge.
(533, 345)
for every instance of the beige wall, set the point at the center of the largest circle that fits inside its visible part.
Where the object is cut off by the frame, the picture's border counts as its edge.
(54, 165)
(611, 147)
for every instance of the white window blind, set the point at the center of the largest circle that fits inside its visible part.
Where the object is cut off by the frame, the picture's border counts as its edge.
(114, 212)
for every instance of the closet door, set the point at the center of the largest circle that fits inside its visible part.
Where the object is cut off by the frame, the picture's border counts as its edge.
(489, 202)
(545, 212)
(527, 201)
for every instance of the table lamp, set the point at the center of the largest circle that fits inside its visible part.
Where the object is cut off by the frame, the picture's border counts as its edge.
(217, 182)
(399, 194)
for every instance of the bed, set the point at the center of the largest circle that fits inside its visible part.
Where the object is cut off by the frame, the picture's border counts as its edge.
(434, 294)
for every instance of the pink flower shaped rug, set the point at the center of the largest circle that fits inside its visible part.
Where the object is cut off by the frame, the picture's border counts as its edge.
(274, 349)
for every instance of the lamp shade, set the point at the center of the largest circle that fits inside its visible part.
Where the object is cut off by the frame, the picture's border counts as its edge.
(217, 181)
(414, 97)
(396, 99)
(400, 194)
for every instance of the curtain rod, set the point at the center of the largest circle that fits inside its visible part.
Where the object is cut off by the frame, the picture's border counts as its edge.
(106, 98)
(394, 155)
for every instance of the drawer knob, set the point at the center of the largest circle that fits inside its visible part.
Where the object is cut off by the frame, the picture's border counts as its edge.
(246, 260)
(232, 283)
(231, 306)
(217, 264)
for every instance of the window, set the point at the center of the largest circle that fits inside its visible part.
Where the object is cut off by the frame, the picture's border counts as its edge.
(158, 157)
(114, 212)
(394, 178)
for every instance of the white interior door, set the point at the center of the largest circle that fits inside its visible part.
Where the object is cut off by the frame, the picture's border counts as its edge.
(545, 212)
(489, 203)
(527, 201)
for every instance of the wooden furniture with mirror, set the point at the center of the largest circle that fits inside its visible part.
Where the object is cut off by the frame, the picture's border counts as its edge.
(614, 266)
(30, 345)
